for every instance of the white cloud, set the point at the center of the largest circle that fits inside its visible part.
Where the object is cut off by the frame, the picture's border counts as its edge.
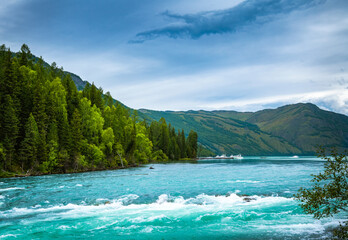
(333, 100)
(244, 88)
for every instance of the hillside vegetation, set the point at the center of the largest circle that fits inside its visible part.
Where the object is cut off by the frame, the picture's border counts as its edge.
(291, 129)
(48, 126)
(305, 126)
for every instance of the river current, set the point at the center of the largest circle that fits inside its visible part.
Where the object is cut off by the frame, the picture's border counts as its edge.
(250, 198)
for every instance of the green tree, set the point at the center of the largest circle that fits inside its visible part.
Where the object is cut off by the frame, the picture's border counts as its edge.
(39, 103)
(2, 157)
(182, 144)
(52, 162)
(164, 137)
(9, 129)
(130, 140)
(143, 145)
(192, 144)
(328, 194)
(76, 132)
(72, 98)
(108, 99)
(108, 140)
(29, 146)
(118, 148)
(92, 121)
(24, 55)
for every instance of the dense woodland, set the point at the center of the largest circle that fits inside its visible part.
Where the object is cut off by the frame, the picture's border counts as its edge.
(48, 126)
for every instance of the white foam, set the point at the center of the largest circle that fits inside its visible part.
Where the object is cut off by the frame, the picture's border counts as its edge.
(147, 230)
(162, 199)
(316, 227)
(78, 185)
(147, 219)
(65, 227)
(226, 219)
(10, 189)
(102, 199)
(243, 181)
(61, 186)
(8, 235)
(106, 225)
(2, 197)
(173, 205)
(168, 208)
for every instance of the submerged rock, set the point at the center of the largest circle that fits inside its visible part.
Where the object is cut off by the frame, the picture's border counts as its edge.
(151, 168)
(248, 199)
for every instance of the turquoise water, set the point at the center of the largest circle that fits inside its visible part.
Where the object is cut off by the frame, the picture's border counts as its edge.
(224, 199)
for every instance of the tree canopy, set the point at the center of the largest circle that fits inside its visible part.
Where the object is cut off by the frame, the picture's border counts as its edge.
(328, 194)
(48, 126)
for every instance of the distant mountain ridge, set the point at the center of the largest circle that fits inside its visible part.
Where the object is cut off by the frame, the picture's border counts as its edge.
(291, 129)
(304, 125)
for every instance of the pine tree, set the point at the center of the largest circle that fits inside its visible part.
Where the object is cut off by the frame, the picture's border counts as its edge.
(108, 100)
(182, 144)
(24, 55)
(164, 137)
(39, 104)
(72, 98)
(192, 144)
(29, 146)
(9, 129)
(52, 162)
(76, 132)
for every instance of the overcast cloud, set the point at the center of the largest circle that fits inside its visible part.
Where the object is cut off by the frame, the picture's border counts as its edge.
(181, 55)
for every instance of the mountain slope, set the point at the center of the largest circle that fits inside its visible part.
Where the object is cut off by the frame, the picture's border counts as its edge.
(304, 125)
(223, 134)
(80, 84)
(291, 129)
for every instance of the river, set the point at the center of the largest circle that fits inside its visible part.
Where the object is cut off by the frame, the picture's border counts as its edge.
(211, 199)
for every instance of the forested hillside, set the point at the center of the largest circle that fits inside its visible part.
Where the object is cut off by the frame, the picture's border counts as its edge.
(223, 133)
(48, 126)
(304, 125)
(292, 129)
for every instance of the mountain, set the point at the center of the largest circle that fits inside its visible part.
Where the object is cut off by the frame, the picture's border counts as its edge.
(222, 132)
(291, 129)
(304, 125)
(80, 84)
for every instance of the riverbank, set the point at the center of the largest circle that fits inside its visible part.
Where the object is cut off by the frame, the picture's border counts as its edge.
(6, 174)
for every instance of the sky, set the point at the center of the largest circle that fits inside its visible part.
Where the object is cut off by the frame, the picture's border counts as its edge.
(243, 55)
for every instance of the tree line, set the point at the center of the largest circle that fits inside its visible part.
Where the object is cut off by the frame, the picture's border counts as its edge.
(48, 126)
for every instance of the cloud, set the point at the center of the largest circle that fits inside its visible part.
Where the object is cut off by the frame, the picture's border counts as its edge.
(229, 20)
(7, 10)
(248, 88)
(332, 100)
